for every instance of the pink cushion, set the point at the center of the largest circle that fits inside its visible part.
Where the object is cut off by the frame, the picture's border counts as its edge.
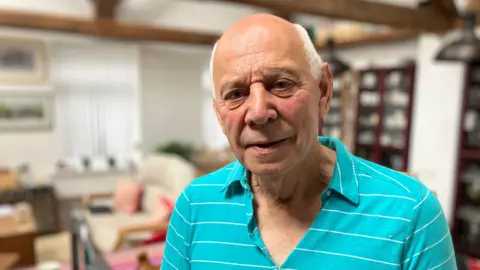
(128, 196)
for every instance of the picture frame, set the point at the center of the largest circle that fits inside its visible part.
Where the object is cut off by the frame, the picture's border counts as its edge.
(26, 111)
(22, 61)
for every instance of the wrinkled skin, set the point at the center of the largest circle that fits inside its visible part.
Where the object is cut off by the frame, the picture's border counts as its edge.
(265, 92)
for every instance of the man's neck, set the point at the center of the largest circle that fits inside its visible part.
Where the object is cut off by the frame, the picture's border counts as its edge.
(301, 185)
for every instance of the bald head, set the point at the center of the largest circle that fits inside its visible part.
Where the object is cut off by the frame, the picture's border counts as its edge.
(265, 30)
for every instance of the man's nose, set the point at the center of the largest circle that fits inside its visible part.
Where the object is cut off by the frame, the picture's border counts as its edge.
(261, 109)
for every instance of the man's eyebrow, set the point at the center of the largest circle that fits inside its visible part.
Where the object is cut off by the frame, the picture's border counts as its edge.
(233, 85)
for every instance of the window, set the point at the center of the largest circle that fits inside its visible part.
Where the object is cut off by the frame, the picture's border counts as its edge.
(95, 123)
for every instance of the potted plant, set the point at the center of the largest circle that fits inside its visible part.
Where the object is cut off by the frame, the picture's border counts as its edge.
(184, 150)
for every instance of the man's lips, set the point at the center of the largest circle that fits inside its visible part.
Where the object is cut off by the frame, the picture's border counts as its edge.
(266, 144)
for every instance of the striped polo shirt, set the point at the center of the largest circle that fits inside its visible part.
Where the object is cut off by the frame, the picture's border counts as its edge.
(372, 218)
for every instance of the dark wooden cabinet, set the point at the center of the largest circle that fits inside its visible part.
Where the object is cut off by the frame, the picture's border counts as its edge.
(384, 113)
(466, 225)
(335, 124)
(44, 202)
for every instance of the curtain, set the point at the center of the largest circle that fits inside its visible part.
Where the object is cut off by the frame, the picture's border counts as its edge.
(95, 123)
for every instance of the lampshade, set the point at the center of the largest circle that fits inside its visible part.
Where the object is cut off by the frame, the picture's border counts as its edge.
(337, 66)
(464, 49)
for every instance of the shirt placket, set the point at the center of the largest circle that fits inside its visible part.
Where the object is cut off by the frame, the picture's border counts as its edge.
(252, 227)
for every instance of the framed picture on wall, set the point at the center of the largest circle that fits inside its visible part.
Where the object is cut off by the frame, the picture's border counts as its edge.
(26, 111)
(22, 61)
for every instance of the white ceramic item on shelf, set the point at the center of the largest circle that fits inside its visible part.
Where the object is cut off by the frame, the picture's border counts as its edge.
(394, 78)
(385, 139)
(369, 80)
(470, 121)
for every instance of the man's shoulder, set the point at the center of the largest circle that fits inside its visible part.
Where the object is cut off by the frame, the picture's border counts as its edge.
(383, 180)
(211, 184)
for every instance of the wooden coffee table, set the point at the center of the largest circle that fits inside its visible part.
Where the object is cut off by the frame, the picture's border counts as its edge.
(18, 238)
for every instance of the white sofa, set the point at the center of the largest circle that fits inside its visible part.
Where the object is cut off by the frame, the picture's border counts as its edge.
(159, 175)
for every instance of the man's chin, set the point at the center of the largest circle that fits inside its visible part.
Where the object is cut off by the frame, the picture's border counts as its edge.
(266, 168)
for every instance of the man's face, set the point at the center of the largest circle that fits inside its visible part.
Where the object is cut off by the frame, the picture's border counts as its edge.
(267, 101)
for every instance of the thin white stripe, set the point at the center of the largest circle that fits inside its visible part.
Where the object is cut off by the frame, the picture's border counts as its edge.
(179, 253)
(179, 235)
(228, 169)
(207, 185)
(236, 264)
(389, 196)
(346, 255)
(223, 243)
(219, 203)
(386, 176)
(165, 258)
(444, 262)
(186, 198)
(184, 219)
(218, 223)
(365, 175)
(367, 215)
(249, 214)
(340, 176)
(353, 167)
(428, 192)
(427, 248)
(426, 225)
(359, 235)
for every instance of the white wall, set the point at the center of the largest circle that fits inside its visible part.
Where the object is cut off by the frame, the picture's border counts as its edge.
(437, 108)
(38, 149)
(171, 95)
(74, 62)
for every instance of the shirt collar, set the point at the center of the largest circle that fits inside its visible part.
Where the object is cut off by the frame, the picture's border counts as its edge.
(344, 180)
(237, 174)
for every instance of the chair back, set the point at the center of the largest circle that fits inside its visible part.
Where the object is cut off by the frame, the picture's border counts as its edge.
(169, 172)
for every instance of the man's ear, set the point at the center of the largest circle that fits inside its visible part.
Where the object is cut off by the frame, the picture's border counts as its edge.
(219, 119)
(325, 85)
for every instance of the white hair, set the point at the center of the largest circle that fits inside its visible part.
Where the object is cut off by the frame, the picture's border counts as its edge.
(313, 58)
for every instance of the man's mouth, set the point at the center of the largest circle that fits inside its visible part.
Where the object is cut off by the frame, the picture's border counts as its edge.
(267, 145)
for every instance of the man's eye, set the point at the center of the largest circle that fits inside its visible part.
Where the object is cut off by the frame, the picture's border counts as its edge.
(282, 85)
(235, 94)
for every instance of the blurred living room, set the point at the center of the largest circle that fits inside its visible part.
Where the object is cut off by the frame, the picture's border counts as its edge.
(106, 114)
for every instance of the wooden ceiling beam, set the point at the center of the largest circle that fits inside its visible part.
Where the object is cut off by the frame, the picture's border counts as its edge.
(424, 19)
(448, 8)
(104, 28)
(473, 6)
(373, 38)
(105, 9)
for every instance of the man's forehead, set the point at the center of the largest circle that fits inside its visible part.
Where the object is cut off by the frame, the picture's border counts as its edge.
(257, 46)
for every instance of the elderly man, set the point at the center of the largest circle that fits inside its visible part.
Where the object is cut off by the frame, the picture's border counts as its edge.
(293, 200)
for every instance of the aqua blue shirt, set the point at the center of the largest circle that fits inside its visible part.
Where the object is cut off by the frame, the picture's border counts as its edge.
(372, 218)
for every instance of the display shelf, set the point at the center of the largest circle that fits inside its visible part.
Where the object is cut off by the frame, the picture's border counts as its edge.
(466, 225)
(384, 110)
(333, 124)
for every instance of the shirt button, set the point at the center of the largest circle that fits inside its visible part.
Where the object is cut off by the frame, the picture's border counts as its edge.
(329, 193)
